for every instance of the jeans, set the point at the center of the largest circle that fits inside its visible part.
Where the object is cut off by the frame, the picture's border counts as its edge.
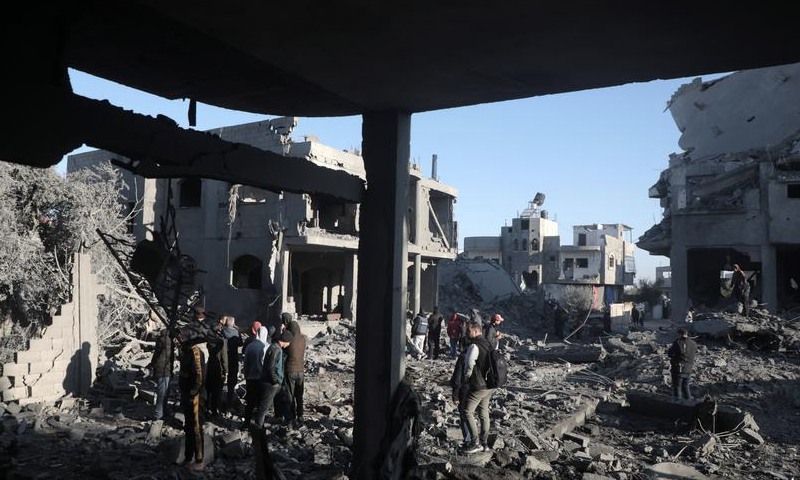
(268, 392)
(479, 399)
(294, 384)
(680, 385)
(462, 420)
(453, 347)
(161, 396)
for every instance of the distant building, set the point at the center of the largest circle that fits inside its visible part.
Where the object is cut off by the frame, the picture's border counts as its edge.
(285, 251)
(664, 279)
(600, 256)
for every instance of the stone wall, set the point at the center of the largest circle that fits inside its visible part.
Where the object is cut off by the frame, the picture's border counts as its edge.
(65, 358)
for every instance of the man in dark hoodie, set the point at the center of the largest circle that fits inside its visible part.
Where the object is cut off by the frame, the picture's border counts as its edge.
(272, 375)
(192, 378)
(681, 358)
(476, 366)
(253, 366)
(295, 366)
(434, 333)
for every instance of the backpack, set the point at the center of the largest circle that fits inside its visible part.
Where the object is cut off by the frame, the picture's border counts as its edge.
(421, 326)
(497, 374)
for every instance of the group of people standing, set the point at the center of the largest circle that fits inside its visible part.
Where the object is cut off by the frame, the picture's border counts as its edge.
(210, 353)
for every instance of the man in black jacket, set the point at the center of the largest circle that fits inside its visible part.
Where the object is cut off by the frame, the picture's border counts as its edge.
(162, 370)
(233, 343)
(459, 396)
(272, 375)
(434, 333)
(476, 366)
(490, 332)
(192, 378)
(681, 357)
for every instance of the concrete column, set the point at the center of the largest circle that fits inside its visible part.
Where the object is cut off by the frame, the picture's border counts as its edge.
(417, 282)
(382, 277)
(351, 292)
(769, 277)
(679, 293)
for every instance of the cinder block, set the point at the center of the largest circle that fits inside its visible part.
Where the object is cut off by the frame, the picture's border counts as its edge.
(61, 365)
(15, 369)
(41, 390)
(59, 390)
(27, 357)
(5, 384)
(58, 343)
(50, 377)
(51, 355)
(40, 367)
(15, 394)
(41, 344)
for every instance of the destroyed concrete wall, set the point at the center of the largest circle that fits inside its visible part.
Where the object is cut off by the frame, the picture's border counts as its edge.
(744, 111)
(483, 247)
(478, 281)
(65, 358)
(730, 197)
(311, 226)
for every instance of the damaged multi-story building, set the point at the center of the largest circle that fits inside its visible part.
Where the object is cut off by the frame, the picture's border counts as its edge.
(733, 195)
(260, 252)
(530, 250)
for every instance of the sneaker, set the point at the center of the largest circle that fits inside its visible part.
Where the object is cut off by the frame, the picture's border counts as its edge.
(472, 448)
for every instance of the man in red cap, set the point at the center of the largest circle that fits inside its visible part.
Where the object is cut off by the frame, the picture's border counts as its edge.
(490, 332)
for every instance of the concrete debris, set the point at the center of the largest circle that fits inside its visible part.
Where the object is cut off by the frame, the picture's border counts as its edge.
(751, 436)
(572, 354)
(674, 471)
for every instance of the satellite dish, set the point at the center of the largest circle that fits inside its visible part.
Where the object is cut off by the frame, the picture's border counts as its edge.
(538, 200)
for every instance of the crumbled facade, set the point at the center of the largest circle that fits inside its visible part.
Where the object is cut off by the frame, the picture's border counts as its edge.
(531, 251)
(260, 252)
(733, 194)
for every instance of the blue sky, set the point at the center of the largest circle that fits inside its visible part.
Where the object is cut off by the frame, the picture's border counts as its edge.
(593, 153)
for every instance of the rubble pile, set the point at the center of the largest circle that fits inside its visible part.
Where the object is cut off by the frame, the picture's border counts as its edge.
(556, 418)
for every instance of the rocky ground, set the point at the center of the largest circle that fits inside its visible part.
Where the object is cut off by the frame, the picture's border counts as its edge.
(556, 418)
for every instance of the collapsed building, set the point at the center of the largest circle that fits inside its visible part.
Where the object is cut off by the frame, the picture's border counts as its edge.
(260, 252)
(732, 195)
(530, 250)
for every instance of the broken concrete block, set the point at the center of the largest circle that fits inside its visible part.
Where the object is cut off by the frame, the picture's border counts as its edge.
(663, 406)
(674, 471)
(534, 464)
(712, 328)
(323, 455)
(5, 384)
(752, 436)
(579, 439)
(594, 476)
(15, 394)
(154, 433)
(16, 370)
(66, 403)
(13, 408)
(572, 354)
(704, 446)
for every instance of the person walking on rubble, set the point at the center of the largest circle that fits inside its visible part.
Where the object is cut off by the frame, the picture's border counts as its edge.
(681, 357)
(559, 321)
(607, 321)
(635, 315)
(490, 332)
(233, 343)
(741, 288)
(459, 396)
(272, 373)
(253, 365)
(295, 366)
(161, 365)
(477, 362)
(216, 368)
(434, 333)
(419, 330)
(192, 378)
(454, 333)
